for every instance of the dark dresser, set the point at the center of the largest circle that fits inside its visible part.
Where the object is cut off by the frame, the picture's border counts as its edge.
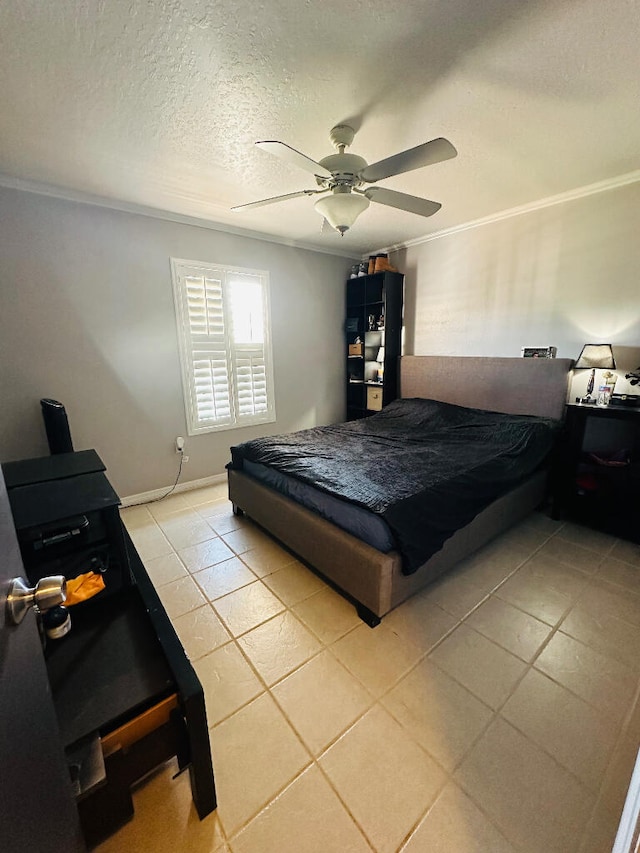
(126, 697)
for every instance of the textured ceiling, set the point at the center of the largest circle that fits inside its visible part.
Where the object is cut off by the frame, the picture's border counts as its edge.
(158, 103)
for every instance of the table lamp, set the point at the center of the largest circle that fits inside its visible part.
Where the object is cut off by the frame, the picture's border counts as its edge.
(594, 356)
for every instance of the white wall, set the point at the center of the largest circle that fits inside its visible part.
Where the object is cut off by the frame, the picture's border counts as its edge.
(87, 318)
(562, 276)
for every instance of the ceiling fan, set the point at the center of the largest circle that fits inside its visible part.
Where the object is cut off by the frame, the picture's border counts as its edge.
(344, 176)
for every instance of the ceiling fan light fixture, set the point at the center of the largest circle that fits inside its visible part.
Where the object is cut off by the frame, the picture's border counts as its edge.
(341, 209)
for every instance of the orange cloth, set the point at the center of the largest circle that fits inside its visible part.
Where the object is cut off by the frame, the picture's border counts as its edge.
(83, 587)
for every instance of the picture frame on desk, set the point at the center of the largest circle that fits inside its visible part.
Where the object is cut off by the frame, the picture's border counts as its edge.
(538, 352)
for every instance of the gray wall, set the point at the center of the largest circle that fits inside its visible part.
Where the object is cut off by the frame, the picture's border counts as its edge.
(87, 317)
(562, 276)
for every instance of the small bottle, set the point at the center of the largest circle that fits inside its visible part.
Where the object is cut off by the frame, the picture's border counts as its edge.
(57, 622)
(604, 395)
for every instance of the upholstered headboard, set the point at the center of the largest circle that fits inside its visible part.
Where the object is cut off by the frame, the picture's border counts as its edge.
(522, 386)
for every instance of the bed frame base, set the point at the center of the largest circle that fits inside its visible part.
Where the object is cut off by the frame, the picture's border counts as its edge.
(367, 616)
(373, 581)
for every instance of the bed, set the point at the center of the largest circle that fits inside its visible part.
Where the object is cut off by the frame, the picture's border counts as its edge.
(378, 578)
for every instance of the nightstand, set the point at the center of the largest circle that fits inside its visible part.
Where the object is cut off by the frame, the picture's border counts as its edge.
(598, 471)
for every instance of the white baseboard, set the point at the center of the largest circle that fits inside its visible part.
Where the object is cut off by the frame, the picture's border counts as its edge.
(145, 497)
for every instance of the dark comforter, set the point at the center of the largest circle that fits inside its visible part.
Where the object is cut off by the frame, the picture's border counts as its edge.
(427, 468)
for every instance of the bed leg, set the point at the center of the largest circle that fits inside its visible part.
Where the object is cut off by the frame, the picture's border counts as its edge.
(367, 615)
(237, 510)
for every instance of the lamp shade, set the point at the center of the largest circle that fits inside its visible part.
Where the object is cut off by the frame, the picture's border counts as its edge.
(596, 355)
(341, 209)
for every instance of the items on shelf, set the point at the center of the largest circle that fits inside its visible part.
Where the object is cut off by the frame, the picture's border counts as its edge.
(376, 263)
(633, 376)
(629, 401)
(83, 587)
(374, 323)
(379, 263)
(56, 622)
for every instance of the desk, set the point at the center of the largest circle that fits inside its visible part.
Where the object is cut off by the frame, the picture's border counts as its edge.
(601, 496)
(125, 694)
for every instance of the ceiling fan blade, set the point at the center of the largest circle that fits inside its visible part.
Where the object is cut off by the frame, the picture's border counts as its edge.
(286, 152)
(414, 158)
(411, 203)
(275, 198)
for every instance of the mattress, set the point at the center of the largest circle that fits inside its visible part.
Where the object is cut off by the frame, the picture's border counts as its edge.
(362, 523)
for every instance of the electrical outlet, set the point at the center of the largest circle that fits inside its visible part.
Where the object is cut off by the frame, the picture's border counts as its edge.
(185, 458)
(179, 444)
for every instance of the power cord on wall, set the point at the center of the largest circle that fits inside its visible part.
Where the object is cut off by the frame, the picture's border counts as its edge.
(180, 450)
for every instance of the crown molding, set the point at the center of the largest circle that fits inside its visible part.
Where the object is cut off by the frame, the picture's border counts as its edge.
(53, 191)
(550, 201)
(65, 194)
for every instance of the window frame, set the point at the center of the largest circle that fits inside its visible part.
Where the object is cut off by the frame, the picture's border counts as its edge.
(181, 267)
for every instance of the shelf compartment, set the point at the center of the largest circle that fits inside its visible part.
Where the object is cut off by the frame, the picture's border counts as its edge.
(372, 300)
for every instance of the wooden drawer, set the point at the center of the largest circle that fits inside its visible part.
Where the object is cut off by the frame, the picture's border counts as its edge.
(374, 399)
(129, 753)
(139, 727)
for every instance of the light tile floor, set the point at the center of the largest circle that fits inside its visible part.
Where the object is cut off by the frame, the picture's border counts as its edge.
(497, 711)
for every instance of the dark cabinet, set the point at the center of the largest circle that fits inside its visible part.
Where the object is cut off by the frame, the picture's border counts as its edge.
(373, 341)
(599, 469)
(125, 695)
(67, 518)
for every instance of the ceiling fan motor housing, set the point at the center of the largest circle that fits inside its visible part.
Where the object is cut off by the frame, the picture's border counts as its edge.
(344, 168)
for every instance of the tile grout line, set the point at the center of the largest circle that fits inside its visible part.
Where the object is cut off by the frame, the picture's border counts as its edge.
(495, 712)
(313, 759)
(531, 665)
(377, 700)
(267, 691)
(620, 737)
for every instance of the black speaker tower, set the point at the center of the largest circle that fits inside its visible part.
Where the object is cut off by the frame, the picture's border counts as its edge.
(57, 426)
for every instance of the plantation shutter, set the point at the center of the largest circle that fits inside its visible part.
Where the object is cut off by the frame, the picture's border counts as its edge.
(246, 301)
(223, 323)
(211, 401)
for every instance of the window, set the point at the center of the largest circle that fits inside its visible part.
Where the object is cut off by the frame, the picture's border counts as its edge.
(225, 351)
